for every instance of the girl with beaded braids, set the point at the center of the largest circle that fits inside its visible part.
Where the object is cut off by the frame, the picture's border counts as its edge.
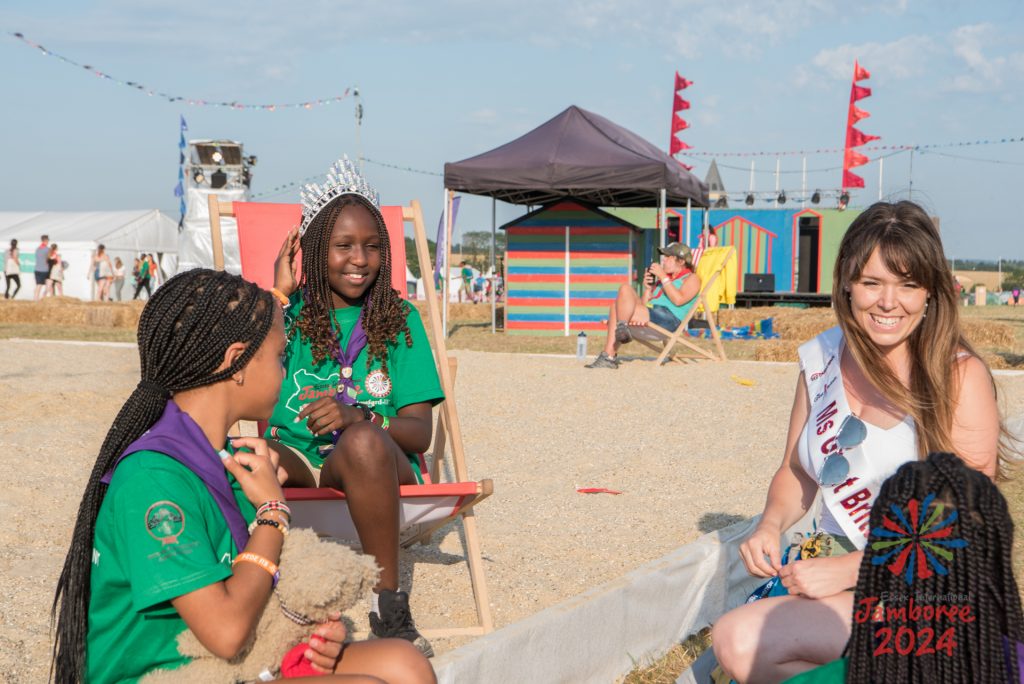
(360, 381)
(179, 530)
(958, 619)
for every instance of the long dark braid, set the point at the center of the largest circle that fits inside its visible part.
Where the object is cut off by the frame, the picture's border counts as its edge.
(384, 312)
(980, 576)
(183, 333)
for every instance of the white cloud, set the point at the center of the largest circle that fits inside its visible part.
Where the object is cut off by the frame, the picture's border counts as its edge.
(984, 73)
(904, 58)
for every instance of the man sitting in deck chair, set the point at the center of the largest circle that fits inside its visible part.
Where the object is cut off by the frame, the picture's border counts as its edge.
(670, 291)
(360, 379)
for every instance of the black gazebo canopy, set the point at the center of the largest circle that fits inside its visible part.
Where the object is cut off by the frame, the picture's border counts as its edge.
(581, 155)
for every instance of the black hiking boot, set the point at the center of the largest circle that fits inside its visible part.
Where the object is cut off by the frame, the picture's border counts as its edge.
(395, 621)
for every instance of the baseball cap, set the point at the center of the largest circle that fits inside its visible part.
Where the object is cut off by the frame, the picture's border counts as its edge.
(678, 250)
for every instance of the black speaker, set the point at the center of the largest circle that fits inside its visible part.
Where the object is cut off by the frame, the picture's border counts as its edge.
(759, 282)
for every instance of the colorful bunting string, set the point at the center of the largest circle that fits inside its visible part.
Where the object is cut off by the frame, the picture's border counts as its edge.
(675, 145)
(179, 189)
(192, 101)
(837, 150)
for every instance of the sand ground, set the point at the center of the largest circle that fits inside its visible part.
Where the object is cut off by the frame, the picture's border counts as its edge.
(691, 449)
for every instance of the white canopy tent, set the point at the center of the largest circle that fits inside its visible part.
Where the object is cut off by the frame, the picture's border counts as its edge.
(125, 234)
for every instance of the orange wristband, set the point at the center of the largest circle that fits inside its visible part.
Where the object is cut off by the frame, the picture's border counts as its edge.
(280, 297)
(256, 559)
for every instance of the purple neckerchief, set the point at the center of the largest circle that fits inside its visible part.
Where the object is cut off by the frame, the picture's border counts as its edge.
(346, 359)
(177, 435)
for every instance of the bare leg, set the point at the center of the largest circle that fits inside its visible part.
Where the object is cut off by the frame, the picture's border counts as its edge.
(626, 302)
(392, 660)
(776, 638)
(368, 466)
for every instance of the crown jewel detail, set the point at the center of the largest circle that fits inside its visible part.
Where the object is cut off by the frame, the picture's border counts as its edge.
(342, 179)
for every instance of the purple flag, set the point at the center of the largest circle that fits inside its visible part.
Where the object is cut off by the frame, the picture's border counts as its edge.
(442, 237)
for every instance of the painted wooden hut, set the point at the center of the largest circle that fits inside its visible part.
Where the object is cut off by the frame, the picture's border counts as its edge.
(565, 264)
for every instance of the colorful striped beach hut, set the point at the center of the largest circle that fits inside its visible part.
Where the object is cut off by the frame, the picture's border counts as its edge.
(566, 262)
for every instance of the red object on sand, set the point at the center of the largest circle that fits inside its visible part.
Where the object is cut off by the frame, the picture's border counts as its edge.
(596, 490)
(294, 664)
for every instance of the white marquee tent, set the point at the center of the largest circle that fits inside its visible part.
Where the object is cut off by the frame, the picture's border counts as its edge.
(124, 234)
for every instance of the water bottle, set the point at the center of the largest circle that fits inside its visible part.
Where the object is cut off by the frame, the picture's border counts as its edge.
(581, 346)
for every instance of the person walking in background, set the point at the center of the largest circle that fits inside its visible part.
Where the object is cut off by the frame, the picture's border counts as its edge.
(155, 276)
(12, 270)
(118, 277)
(42, 269)
(55, 283)
(466, 273)
(142, 278)
(102, 273)
(1016, 295)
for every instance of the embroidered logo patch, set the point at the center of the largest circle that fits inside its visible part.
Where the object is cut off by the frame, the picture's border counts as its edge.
(378, 384)
(165, 521)
(916, 541)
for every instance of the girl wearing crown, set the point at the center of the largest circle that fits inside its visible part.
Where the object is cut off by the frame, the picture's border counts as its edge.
(360, 379)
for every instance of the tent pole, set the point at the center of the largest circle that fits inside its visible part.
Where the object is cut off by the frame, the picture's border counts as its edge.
(689, 209)
(661, 216)
(567, 281)
(494, 265)
(445, 279)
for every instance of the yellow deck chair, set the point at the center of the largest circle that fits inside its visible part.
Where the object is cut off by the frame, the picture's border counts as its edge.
(712, 269)
(423, 508)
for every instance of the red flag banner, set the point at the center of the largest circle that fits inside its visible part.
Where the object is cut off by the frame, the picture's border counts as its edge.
(676, 145)
(859, 93)
(679, 104)
(685, 166)
(682, 83)
(854, 158)
(679, 124)
(855, 138)
(856, 114)
(852, 180)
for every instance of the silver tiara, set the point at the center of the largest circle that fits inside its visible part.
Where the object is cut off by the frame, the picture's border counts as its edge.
(343, 178)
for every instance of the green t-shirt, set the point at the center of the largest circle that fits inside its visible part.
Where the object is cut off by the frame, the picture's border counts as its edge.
(659, 298)
(159, 535)
(829, 673)
(411, 379)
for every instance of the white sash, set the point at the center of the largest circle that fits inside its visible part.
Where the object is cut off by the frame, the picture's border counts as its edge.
(849, 502)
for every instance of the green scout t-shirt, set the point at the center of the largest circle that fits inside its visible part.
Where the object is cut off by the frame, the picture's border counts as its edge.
(411, 379)
(159, 535)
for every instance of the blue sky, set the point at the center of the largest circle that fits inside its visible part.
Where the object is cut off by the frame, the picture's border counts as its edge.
(442, 81)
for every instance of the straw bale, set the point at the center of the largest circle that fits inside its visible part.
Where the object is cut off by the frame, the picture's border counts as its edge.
(984, 333)
(72, 312)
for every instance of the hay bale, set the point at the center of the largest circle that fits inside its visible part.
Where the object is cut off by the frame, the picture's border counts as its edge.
(777, 350)
(983, 333)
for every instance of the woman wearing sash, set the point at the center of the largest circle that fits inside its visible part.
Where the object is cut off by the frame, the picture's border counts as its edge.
(894, 381)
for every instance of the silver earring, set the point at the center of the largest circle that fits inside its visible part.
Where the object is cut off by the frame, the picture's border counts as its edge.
(925, 314)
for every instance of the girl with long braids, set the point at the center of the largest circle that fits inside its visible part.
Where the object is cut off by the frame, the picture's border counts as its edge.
(360, 381)
(951, 613)
(178, 529)
(893, 382)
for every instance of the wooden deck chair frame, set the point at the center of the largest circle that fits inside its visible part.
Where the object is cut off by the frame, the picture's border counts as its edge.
(666, 350)
(448, 433)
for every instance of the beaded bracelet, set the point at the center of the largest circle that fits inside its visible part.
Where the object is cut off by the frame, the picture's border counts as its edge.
(385, 422)
(268, 506)
(256, 559)
(281, 527)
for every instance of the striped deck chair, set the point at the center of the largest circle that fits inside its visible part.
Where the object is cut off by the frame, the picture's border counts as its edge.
(426, 507)
(713, 263)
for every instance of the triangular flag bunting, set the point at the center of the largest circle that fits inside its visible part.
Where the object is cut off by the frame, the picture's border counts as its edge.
(676, 146)
(859, 72)
(852, 180)
(679, 124)
(184, 126)
(854, 158)
(855, 138)
(679, 104)
(856, 114)
(682, 83)
(859, 93)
